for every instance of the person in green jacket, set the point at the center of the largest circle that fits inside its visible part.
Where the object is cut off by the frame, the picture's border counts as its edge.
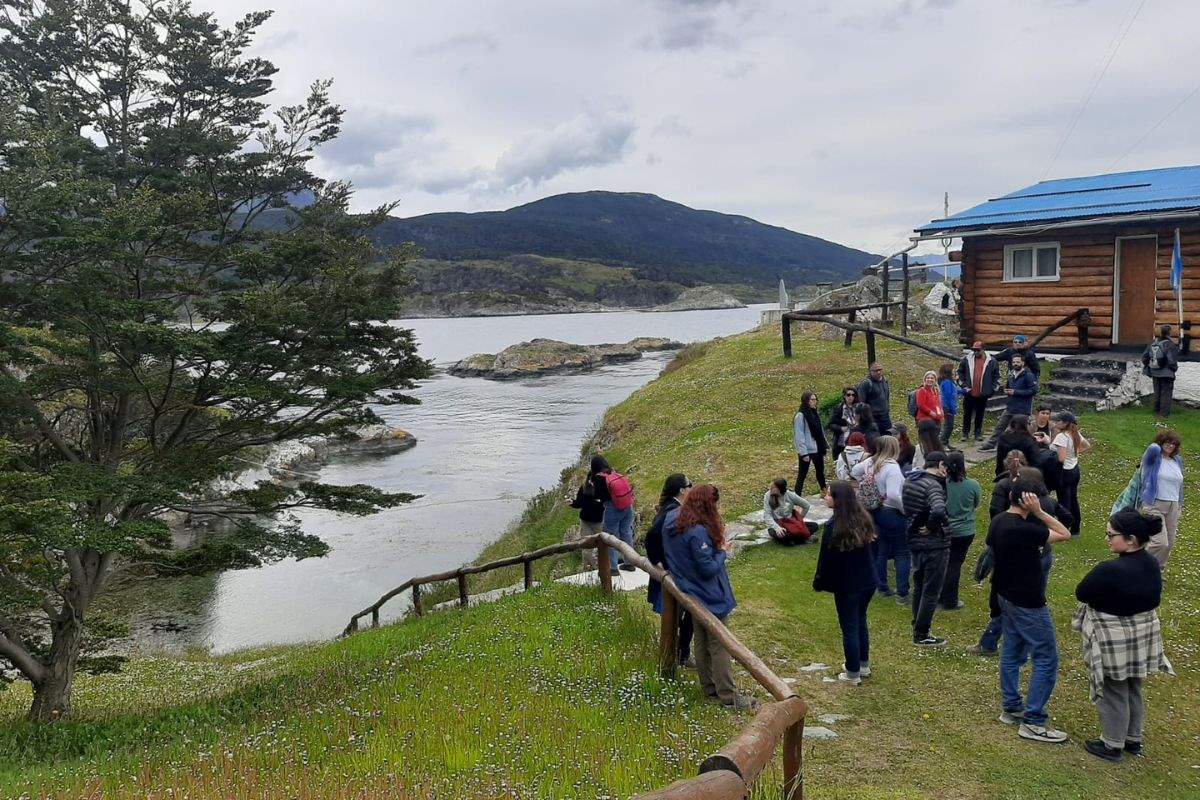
(963, 498)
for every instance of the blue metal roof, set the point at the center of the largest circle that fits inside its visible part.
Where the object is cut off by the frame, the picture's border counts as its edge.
(1170, 189)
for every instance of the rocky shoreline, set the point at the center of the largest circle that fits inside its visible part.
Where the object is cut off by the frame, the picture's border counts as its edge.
(700, 298)
(548, 356)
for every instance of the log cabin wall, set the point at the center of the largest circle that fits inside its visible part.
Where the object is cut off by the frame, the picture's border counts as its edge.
(994, 311)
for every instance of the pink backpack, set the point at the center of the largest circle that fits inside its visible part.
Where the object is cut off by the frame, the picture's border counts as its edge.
(619, 490)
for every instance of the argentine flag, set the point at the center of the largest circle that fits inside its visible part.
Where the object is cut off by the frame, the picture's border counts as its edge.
(1177, 276)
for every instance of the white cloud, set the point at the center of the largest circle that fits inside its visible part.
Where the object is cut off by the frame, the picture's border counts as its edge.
(588, 140)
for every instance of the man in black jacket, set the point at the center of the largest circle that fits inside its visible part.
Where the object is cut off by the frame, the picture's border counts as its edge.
(876, 392)
(929, 540)
(1020, 347)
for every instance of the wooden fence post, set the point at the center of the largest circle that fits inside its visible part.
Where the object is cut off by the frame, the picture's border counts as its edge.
(793, 754)
(605, 568)
(904, 303)
(668, 651)
(417, 600)
(852, 318)
(528, 574)
(464, 599)
(870, 349)
(375, 618)
(787, 337)
(883, 277)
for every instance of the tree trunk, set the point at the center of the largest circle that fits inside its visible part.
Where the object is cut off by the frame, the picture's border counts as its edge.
(52, 694)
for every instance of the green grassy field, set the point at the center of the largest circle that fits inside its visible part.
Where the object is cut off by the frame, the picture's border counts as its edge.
(554, 693)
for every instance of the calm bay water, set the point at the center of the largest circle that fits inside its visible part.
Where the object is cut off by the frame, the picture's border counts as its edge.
(484, 448)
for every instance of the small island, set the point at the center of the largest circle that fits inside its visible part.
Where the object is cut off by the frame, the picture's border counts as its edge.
(546, 356)
(701, 298)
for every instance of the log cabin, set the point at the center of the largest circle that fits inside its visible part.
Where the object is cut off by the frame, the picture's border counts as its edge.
(1104, 243)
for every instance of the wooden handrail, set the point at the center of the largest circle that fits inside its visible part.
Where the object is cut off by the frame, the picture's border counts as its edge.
(798, 316)
(847, 309)
(1080, 316)
(728, 774)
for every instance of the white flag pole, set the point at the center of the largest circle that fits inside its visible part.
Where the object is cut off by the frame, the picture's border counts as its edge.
(1179, 291)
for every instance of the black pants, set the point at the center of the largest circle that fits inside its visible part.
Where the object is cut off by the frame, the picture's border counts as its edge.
(685, 635)
(1164, 389)
(1068, 495)
(817, 462)
(973, 408)
(959, 545)
(929, 571)
(852, 619)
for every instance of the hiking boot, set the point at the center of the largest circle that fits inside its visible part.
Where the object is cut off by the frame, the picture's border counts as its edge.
(1041, 733)
(987, 446)
(1133, 749)
(930, 641)
(688, 663)
(853, 680)
(627, 568)
(1012, 717)
(958, 607)
(864, 671)
(979, 650)
(741, 703)
(1099, 749)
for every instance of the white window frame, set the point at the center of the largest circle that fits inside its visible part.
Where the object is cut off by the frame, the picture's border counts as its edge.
(1035, 278)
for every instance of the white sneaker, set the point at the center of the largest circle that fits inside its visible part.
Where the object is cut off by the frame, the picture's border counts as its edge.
(1012, 717)
(864, 671)
(1040, 733)
(853, 680)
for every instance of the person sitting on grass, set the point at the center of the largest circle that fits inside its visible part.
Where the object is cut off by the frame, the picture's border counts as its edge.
(1018, 538)
(674, 490)
(1122, 637)
(929, 542)
(696, 548)
(783, 511)
(845, 568)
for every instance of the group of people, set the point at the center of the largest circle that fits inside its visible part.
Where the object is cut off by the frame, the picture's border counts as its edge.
(923, 520)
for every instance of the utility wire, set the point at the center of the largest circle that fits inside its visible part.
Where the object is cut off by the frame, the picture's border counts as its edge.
(1113, 47)
(1154, 127)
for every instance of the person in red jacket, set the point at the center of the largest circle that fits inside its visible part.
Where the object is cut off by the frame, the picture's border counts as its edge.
(929, 400)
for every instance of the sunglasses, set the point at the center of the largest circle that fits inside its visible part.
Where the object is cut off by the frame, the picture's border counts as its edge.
(1111, 535)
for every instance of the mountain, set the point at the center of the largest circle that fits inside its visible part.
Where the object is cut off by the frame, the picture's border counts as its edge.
(657, 239)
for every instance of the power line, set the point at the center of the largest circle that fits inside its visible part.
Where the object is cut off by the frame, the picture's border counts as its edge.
(1113, 47)
(1154, 127)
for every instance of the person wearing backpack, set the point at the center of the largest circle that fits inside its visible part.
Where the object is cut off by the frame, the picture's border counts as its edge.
(1160, 361)
(876, 392)
(854, 452)
(616, 493)
(880, 489)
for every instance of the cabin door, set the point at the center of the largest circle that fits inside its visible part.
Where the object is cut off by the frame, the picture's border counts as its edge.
(1136, 261)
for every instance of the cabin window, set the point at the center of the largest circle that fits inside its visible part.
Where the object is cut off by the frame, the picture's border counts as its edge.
(1031, 262)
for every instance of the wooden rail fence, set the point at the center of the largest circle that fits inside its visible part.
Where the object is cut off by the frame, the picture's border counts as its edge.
(728, 774)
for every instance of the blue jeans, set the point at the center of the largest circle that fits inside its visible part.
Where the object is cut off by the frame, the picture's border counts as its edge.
(891, 544)
(990, 640)
(1028, 635)
(619, 524)
(852, 619)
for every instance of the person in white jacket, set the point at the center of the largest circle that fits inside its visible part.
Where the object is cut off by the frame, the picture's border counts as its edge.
(809, 436)
(783, 511)
(890, 522)
(851, 455)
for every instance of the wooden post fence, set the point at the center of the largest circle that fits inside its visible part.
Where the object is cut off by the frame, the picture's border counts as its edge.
(904, 289)
(728, 774)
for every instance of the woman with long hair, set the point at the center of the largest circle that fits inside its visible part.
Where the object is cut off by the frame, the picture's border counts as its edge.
(881, 486)
(950, 393)
(1068, 445)
(674, 490)
(963, 498)
(696, 547)
(1017, 437)
(783, 511)
(866, 426)
(843, 419)
(1118, 602)
(1158, 483)
(810, 442)
(908, 451)
(844, 567)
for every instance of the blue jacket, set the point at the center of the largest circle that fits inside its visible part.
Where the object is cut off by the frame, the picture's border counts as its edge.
(949, 396)
(1024, 387)
(697, 566)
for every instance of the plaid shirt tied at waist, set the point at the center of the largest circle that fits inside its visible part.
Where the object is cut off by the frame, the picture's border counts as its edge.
(1119, 647)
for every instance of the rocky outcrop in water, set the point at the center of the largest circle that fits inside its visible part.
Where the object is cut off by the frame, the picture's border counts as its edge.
(310, 454)
(548, 356)
(701, 298)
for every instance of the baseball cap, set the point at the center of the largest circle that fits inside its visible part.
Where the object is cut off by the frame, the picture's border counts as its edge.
(1065, 416)
(1019, 339)
(977, 346)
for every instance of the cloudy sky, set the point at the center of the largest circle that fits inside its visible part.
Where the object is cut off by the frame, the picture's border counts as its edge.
(845, 119)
